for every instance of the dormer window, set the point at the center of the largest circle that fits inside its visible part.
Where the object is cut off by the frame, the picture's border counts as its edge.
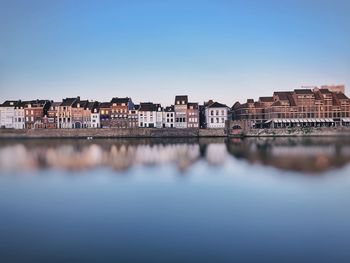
(123, 104)
(183, 102)
(114, 104)
(78, 105)
(11, 103)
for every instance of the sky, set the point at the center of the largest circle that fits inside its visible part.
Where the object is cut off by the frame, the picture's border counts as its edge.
(153, 50)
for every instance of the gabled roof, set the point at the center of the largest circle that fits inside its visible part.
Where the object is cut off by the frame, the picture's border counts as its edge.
(236, 105)
(118, 101)
(217, 105)
(250, 101)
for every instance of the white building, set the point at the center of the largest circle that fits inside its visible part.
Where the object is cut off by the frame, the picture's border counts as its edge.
(150, 115)
(169, 117)
(95, 116)
(7, 114)
(19, 118)
(216, 115)
(180, 108)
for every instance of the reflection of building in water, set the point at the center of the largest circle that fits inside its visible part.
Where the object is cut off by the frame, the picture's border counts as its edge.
(118, 156)
(216, 153)
(296, 154)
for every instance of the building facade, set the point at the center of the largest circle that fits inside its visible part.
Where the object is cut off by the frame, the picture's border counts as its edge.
(308, 107)
(180, 108)
(64, 113)
(150, 115)
(120, 108)
(52, 115)
(105, 114)
(133, 117)
(19, 117)
(216, 115)
(192, 115)
(169, 117)
(95, 115)
(34, 113)
(7, 114)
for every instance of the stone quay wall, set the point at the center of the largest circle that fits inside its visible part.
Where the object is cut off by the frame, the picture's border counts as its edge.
(112, 133)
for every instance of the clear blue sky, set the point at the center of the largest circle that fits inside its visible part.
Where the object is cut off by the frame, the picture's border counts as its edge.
(153, 50)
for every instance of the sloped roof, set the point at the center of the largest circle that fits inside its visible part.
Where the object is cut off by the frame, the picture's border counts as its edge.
(68, 101)
(148, 106)
(193, 104)
(303, 91)
(105, 105)
(181, 98)
(325, 91)
(266, 99)
(82, 103)
(117, 100)
(10, 103)
(341, 96)
(169, 108)
(217, 105)
(282, 95)
(277, 103)
(318, 96)
(236, 105)
(55, 104)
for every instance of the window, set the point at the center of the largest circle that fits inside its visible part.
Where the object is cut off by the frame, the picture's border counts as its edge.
(217, 113)
(217, 120)
(211, 120)
(223, 120)
(212, 112)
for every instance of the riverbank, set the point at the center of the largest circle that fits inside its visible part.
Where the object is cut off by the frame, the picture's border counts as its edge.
(298, 132)
(112, 133)
(170, 133)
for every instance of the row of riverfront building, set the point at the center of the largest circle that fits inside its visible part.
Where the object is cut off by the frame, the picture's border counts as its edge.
(306, 107)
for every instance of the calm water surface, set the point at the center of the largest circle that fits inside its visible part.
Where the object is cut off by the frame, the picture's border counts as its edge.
(179, 200)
